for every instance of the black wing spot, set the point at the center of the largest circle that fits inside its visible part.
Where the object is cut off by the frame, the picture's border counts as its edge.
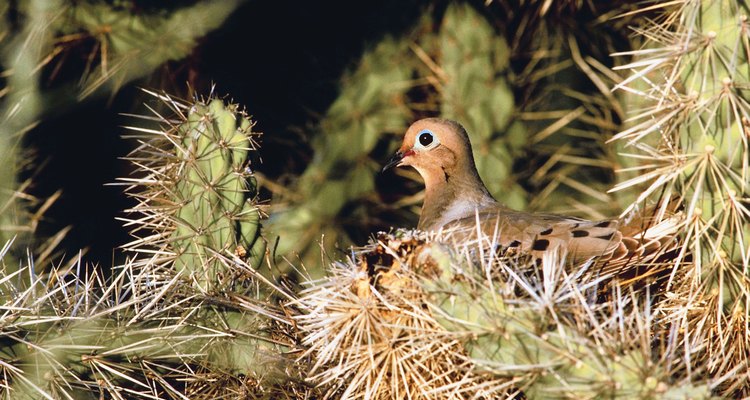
(540, 245)
(580, 233)
(606, 237)
(514, 243)
(547, 232)
(603, 224)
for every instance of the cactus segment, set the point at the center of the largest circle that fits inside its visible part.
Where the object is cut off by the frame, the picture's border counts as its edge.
(204, 202)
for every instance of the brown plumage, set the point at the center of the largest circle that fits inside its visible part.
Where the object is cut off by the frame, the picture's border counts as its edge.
(456, 198)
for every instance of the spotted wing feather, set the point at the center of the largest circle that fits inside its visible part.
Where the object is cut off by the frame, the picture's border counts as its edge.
(614, 247)
(539, 233)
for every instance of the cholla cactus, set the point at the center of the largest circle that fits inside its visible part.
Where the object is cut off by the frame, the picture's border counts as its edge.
(370, 334)
(129, 44)
(561, 79)
(690, 141)
(372, 101)
(418, 316)
(144, 333)
(472, 61)
(197, 202)
(188, 315)
(121, 45)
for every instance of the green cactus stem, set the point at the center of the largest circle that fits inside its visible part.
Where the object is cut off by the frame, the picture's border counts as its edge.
(197, 191)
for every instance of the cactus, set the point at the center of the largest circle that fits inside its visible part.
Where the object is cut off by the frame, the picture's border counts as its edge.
(421, 310)
(371, 102)
(474, 62)
(36, 35)
(561, 76)
(691, 142)
(145, 333)
(190, 313)
(197, 191)
(369, 335)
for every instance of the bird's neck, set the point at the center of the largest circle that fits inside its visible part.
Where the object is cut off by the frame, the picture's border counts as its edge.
(452, 196)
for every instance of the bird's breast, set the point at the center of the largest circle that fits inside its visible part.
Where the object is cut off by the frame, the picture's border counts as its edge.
(457, 210)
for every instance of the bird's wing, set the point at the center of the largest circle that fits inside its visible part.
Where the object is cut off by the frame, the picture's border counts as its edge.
(539, 233)
(630, 251)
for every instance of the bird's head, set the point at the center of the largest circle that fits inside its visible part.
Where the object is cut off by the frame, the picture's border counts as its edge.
(436, 148)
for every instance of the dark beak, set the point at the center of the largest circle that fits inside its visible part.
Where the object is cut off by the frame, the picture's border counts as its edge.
(394, 161)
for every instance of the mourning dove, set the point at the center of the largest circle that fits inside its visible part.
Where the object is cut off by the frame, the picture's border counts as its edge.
(455, 197)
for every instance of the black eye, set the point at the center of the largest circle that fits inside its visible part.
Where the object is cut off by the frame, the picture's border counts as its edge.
(425, 139)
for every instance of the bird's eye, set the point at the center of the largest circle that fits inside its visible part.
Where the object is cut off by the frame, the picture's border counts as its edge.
(426, 140)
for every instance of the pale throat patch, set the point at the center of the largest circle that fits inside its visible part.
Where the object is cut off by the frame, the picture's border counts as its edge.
(459, 209)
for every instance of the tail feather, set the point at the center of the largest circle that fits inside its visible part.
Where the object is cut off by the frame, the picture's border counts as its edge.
(643, 245)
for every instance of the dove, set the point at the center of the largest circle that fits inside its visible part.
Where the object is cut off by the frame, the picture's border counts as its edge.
(456, 199)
